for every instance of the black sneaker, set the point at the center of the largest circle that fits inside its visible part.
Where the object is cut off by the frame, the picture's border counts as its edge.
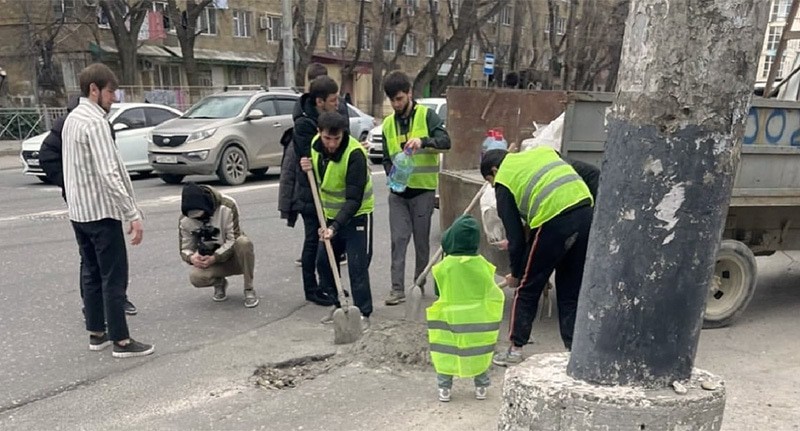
(97, 343)
(320, 298)
(132, 349)
(129, 308)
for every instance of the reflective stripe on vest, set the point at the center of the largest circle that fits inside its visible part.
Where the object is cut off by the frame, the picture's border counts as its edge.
(543, 185)
(464, 323)
(332, 187)
(426, 161)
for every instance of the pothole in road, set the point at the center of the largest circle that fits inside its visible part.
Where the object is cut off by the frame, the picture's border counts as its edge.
(392, 345)
(288, 374)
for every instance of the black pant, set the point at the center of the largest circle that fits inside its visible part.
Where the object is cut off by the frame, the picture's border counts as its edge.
(560, 245)
(308, 257)
(355, 239)
(104, 275)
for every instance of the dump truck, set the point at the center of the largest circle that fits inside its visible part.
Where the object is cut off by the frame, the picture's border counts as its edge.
(764, 212)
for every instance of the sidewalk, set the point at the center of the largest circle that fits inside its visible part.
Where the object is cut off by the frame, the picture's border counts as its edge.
(9, 155)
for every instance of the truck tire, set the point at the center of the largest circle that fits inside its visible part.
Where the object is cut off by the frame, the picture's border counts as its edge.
(232, 168)
(171, 178)
(732, 285)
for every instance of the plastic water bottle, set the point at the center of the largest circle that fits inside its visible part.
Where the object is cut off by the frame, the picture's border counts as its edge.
(499, 141)
(488, 142)
(402, 167)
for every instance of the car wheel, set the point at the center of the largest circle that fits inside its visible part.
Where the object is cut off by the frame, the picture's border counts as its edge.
(259, 172)
(171, 178)
(232, 168)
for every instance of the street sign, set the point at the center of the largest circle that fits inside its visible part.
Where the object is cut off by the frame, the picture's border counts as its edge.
(488, 64)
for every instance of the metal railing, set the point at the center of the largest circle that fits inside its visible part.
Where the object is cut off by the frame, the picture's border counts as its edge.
(17, 124)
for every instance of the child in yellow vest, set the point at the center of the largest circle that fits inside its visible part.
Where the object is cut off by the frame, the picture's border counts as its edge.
(463, 324)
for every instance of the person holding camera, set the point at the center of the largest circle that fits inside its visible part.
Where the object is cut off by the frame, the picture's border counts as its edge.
(212, 241)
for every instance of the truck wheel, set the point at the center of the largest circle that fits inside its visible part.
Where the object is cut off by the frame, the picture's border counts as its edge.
(171, 178)
(232, 168)
(732, 285)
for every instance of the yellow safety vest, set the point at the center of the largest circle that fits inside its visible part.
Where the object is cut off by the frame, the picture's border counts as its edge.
(543, 185)
(332, 186)
(426, 161)
(464, 323)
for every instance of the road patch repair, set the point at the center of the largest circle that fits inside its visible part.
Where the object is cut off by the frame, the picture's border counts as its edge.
(395, 346)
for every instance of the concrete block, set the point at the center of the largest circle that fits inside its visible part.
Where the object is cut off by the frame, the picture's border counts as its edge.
(538, 395)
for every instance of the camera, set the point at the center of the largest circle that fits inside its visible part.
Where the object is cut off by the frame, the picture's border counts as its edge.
(206, 239)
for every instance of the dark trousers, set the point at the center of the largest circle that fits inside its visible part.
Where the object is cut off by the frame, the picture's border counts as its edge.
(560, 245)
(104, 275)
(355, 239)
(308, 257)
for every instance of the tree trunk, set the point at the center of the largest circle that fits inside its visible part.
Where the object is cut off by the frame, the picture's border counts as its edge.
(125, 22)
(519, 18)
(468, 21)
(305, 50)
(674, 141)
(187, 34)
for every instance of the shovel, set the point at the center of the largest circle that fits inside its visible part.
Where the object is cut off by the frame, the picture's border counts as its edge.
(414, 296)
(347, 318)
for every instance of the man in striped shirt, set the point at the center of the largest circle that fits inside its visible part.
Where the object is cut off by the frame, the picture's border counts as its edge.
(99, 198)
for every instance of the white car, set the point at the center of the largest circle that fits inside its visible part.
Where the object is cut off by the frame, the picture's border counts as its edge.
(375, 136)
(131, 122)
(360, 123)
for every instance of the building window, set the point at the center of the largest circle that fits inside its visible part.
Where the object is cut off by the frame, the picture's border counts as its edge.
(452, 56)
(773, 38)
(455, 6)
(70, 70)
(390, 41)
(273, 28)
(430, 47)
(242, 22)
(102, 19)
(366, 38)
(411, 7)
(505, 15)
(337, 35)
(207, 21)
(473, 51)
(410, 45)
(161, 7)
(63, 8)
(780, 10)
(435, 6)
(561, 26)
(165, 76)
(768, 60)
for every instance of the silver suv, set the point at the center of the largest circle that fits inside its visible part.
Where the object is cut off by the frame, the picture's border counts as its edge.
(228, 134)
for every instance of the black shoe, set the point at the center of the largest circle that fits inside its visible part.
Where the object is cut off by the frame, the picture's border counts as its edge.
(320, 298)
(132, 349)
(97, 343)
(129, 308)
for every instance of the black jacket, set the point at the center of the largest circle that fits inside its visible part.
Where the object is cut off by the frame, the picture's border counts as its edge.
(294, 193)
(355, 181)
(50, 155)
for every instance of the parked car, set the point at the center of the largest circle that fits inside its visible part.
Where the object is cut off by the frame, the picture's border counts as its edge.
(375, 136)
(229, 134)
(360, 123)
(132, 122)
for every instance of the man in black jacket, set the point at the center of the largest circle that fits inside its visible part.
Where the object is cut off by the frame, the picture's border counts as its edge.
(295, 191)
(50, 162)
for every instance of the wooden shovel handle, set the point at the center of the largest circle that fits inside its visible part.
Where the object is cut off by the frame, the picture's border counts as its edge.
(328, 247)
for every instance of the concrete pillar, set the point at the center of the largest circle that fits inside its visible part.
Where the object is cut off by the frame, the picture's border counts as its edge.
(538, 395)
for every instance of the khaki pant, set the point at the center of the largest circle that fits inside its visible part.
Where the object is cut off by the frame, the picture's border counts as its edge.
(241, 262)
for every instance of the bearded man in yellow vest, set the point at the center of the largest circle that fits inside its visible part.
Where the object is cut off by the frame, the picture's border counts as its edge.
(541, 190)
(463, 324)
(339, 163)
(413, 128)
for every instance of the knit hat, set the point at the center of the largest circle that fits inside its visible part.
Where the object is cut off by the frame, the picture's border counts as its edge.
(462, 238)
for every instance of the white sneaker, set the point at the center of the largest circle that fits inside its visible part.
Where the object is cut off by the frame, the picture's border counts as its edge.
(480, 392)
(444, 395)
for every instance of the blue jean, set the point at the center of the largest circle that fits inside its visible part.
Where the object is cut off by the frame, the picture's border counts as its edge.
(482, 380)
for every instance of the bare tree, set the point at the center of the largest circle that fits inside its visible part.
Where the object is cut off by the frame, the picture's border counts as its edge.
(348, 70)
(557, 45)
(519, 18)
(304, 43)
(468, 20)
(185, 24)
(390, 17)
(125, 19)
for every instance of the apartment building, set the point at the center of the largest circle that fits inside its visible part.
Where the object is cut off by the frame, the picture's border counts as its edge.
(778, 13)
(239, 43)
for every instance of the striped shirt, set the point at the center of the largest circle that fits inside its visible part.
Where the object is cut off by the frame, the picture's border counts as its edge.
(95, 180)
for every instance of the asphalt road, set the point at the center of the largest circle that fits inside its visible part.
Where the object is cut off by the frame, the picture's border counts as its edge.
(45, 352)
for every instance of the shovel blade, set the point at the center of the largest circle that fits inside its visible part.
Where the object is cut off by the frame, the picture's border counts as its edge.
(414, 304)
(346, 325)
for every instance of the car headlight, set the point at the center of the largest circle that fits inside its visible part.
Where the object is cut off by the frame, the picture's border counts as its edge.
(203, 134)
(197, 155)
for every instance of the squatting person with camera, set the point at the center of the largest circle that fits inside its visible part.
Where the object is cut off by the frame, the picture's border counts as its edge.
(212, 241)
